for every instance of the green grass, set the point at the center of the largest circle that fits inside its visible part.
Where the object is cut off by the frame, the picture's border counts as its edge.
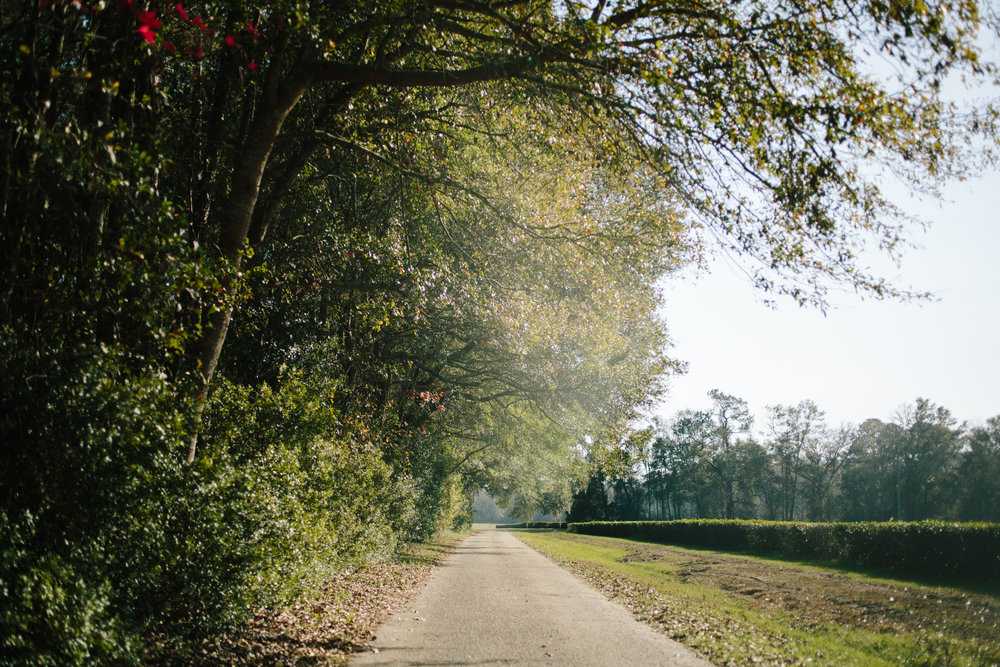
(749, 610)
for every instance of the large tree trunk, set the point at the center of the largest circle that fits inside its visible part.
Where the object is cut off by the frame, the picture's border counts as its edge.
(234, 226)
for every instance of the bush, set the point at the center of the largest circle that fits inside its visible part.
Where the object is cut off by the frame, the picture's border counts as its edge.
(52, 614)
(283, 502)
(106, 535)
(86, 441)
(968, 551)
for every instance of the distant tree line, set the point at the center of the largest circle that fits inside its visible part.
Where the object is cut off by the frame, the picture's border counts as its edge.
(708, 464)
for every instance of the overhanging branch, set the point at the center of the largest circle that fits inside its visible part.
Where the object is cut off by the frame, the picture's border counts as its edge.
(401, 78)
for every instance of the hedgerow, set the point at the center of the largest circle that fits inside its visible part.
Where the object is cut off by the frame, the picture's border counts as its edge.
(967, 551)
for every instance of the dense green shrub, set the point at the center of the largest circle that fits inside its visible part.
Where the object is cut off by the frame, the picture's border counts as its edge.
(281, 497)
(292, 497)
(85, 431)
(52, 614)
(968, 551)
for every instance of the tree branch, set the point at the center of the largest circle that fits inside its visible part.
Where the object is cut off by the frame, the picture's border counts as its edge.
(400, 78)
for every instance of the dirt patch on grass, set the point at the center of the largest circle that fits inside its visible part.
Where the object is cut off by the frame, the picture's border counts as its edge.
(815, 595)
(323, 630)
(639, 557)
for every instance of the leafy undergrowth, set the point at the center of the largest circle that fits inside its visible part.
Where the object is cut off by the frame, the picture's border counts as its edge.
(744, 610)
(319, 631)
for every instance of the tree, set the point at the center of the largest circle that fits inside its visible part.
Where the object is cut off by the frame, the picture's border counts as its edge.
(672, 85)
(730, 418)
(591, 502)
(979, 473)
(622, 465)
(794, 430)
(869, 475)
(928, 451)
(824, 459)
(676, 466)
(755, 472)
(867, 472)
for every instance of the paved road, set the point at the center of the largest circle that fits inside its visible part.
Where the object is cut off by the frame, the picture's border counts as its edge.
(496, 601)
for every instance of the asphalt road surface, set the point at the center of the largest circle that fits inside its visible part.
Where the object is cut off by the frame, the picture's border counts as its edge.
(496, 601)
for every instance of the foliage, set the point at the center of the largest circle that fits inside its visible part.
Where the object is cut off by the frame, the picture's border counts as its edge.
(54, 616)
(965, 551)
(923, 466)
(331, 624)
(980, 470)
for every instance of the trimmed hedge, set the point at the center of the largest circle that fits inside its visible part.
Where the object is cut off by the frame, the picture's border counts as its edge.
(555, 525)
(969, 551)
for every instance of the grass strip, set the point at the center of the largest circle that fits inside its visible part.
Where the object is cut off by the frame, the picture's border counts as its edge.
(736, 609)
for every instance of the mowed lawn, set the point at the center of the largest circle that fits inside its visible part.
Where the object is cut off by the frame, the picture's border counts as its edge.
(745, 610)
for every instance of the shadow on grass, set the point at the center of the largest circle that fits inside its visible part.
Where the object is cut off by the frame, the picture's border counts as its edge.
(432, 551)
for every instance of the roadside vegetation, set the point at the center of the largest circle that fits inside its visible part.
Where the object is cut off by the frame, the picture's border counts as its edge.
(737, 609)
(325, 628)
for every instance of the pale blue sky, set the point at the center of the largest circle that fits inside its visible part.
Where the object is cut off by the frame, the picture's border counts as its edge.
(865, 358)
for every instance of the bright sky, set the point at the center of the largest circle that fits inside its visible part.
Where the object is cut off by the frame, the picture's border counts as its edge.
(865, 358)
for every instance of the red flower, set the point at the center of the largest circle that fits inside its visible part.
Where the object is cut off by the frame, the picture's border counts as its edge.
(169, 47)
(254, 34)
(147, 33)
(230, 41)
(181, 12)
(197, 53)
(147, 18)
(200, 24)
(252, 66)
